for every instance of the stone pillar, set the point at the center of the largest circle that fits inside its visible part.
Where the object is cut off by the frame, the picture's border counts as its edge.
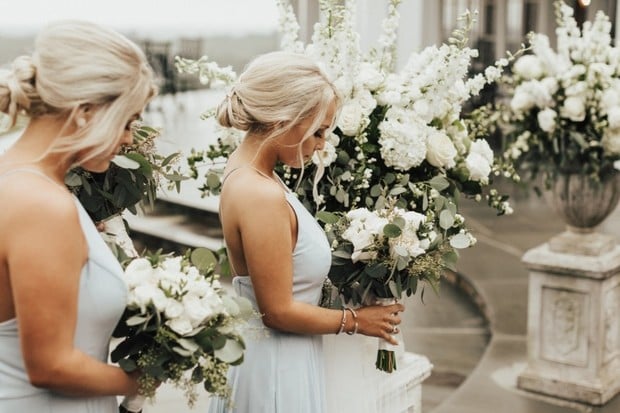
(573, 325)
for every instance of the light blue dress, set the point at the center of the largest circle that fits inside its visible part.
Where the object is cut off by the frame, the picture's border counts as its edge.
(283, 372)
(101, 301)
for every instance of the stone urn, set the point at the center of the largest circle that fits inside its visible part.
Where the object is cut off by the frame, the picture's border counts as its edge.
(583, 204)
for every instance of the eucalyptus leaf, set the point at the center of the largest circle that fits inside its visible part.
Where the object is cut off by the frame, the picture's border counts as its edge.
(439, 183)
(203, 259)
(125, 162)
(392, 231)
(446, 219)
(230, 352)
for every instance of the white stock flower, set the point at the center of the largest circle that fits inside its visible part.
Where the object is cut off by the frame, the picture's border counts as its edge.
(609, 99)
(403, 144)
(528, 67)
(369, 76)
(547, 119)
(574, 108)
(440, 151)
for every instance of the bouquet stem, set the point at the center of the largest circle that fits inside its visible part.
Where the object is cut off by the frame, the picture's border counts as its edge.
(386, 354)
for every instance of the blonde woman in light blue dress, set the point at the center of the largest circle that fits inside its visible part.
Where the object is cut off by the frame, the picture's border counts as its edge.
(61, 291)
(278, 252)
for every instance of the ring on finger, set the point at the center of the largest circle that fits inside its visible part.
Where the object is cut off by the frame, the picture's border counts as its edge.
(394, 330)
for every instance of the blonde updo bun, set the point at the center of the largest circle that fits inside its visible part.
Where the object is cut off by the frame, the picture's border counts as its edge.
(17, 88)
(76, 65)
(276, 90)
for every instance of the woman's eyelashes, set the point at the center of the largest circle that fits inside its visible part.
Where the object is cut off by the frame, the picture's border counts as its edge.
(319, 134)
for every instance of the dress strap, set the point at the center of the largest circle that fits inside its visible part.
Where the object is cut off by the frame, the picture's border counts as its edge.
(32, 171)
(274, 177)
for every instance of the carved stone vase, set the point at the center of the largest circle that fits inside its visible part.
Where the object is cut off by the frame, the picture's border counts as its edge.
(583, 204)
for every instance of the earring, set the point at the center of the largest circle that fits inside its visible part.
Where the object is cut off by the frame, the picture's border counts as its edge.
(80, 122)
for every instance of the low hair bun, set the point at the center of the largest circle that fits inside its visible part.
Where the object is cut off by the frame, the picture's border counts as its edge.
(232, 113)
(18, 88)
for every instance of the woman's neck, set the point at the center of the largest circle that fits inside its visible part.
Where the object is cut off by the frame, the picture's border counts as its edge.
(31, 149)
(257, 153)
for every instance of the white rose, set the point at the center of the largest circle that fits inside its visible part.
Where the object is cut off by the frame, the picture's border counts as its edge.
(138, 272)
(574, 109)
(440, 151)
(528, 67)
(546, 119)
(366, 101)
(613, 117)
(481, 146)
(350, 119)
(478, 166)
(180, 325)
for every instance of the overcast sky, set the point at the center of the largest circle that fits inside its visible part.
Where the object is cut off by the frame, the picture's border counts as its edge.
(152, 17)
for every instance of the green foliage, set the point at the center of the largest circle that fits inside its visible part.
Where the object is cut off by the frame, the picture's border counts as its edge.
(130, 179)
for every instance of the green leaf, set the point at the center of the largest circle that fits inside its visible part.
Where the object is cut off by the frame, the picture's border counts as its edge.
(446, 219)
(375, 191)
(128, 365)
(203, 259)
(439, 183)
(398, 190)
(230, 352)
(400, 222)
(376, 271)
(392, 231)
(450, 259)
(213, 180)
(327, 217)
(124, 162)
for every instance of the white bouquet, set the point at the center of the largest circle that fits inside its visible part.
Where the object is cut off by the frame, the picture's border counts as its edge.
(180, 325)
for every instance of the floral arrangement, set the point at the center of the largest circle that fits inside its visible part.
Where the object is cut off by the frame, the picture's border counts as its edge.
(564, 109)
(383, 254)
(401, 143)
(180, 325)
(133, 176)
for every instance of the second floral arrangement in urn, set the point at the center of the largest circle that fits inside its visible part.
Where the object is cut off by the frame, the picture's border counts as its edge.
(389, 179)
(563, 118)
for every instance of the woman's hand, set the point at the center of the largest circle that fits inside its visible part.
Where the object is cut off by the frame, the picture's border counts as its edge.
(380, 321)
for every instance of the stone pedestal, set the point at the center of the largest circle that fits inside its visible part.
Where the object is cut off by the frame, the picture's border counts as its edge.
(354, 385)
(573, 325)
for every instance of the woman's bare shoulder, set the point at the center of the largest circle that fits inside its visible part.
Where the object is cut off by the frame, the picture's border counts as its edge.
(251, 187)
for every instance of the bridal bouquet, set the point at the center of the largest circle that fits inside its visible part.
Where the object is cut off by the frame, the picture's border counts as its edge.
(564, 109)
(134, 176)
(180, 325)
(379, 255)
